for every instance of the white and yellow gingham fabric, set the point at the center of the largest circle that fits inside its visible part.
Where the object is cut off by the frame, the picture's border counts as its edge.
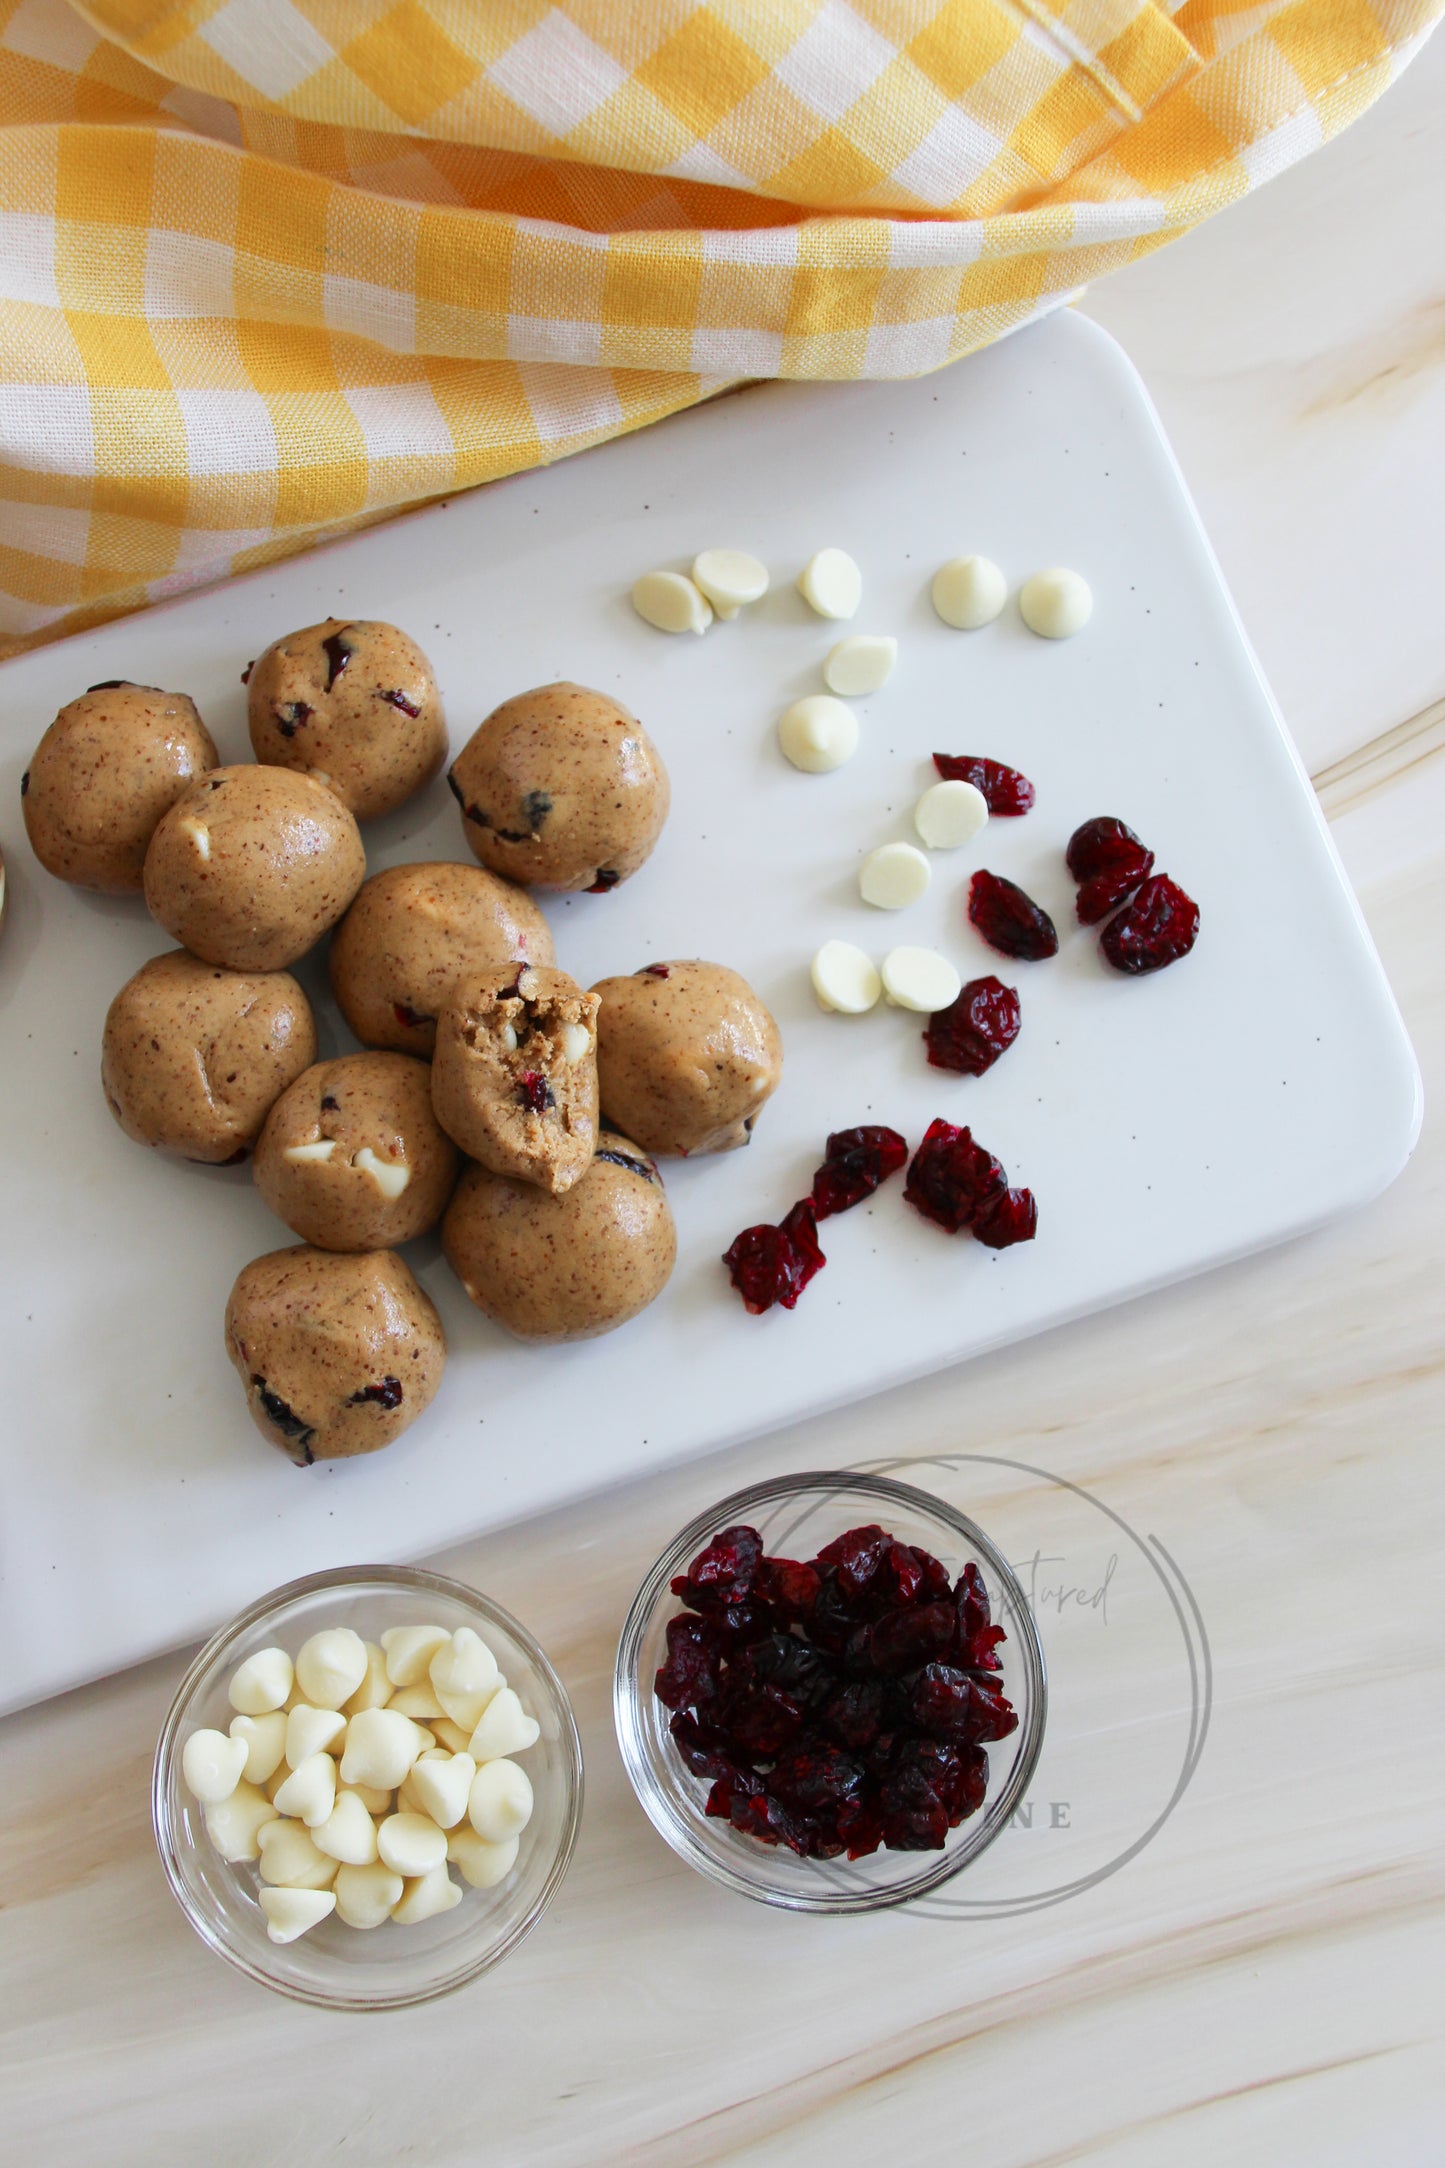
(270, 269)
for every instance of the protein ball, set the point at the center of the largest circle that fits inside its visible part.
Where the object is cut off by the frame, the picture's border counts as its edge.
(353, 702)
(252, 866)
(687, 1056)
(569, 1267)
(338, 1354)
(409, 935)
(193, 1058)
(352, 1156)
(561, 788)
(105, 771)
(514, 1078)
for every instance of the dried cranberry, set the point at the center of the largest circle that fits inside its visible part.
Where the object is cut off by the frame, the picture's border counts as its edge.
(853, 1714)
(246, 673)
(1157, 928)
(814, 1776)
(25, 784)
(916, 1829)
(605, 879)
(386, 1395)
(655, 971)
(970, 1035)
(796, 1666)
(952, 1180)
(933, 1574)
(338, 655)
(535, 1093)
(789, 1585)
(412, 1018)
(1105, 892)
(1105, 845)
(290, 715)
(856, 1163)
(689, 1674)
(1006, 792)
(1011, 1218)
(1009, 920)
(775, 1264)
(763, 1723)
(330, 1104)
(902, 1640)
(856, 1556)
(282, 1416)
(728, 1565)
(698, 1747)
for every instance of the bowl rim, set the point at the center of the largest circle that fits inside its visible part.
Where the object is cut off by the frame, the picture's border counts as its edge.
(421, 1578)
(662, 1804)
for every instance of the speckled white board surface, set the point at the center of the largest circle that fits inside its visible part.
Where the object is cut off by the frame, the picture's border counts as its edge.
(1165, 1124)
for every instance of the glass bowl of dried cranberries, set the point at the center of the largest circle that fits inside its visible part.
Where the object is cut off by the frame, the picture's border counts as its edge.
(830, 1692)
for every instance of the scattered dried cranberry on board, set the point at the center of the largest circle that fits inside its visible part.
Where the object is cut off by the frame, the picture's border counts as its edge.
(957, 1183)
(1009, 920)
(856, 1163)
(1006, 793)
(1109, 861)
(1156, 929)
(836, 1704)
(774, 1264)
(973, 1031)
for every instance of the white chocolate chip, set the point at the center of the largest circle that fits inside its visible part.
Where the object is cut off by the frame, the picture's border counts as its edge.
(424, 1898)
(365, 1895)
(464, 1677)
(330, 1666)
(893, 876)
(200, 836)
(730, 579)
(348, 1834)
(291, 1858)
(390, 1175)
(671, 602)
(500, 1805)
(309, 1791)
(409, 1651)
(411, 1844)
(861, 664)
(374, 1800)
(265, 1738)
(1056, 603)
(831, 584)
(482, 1864)
(505, 1728)
(306, 1155)
(262, 1683)
(950, 814)
(293, 1912)
(818, 733)
(576, 1043)
(969, 592)
(374, 1691)
(508, 1037)
(440, 1786)
(380, 1749)
(921, 979)
(234, 1824)
(845, 979)
(451, 1735)
(311, 1731)
(212, 1765)
(417, 1702)
(277, 1778)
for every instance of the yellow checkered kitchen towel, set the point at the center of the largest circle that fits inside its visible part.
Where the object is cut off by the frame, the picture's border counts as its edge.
(271, 269)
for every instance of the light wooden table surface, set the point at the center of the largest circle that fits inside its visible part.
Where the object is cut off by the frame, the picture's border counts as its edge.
(1263, 1982)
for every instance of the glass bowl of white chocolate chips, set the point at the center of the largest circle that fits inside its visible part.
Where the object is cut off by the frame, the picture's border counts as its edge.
(368, 1788)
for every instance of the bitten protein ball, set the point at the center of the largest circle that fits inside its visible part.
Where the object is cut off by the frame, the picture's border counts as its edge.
(569, 1267)
(352, 1156)
(252, 866)
(687, 1056)
(514, 1077)
(412, 932)
(338, 1354)
(561, 788)
(353, 702)
(105, 771)
(193, 1057)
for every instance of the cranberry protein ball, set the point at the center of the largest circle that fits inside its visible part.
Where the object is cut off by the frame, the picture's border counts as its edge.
(105, 771)
(514, 1076)
(252, 866)
(353, 702)
(338, 1354)
(193, 1058)
(352, 1156)
(687, 1057)
(561, 788)
(570, 1267)
(412, 932)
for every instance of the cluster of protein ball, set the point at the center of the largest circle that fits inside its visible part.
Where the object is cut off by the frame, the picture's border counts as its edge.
(497, 1098)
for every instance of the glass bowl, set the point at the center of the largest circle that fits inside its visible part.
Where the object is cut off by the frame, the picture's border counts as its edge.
(389, 1967)
(796, 1515)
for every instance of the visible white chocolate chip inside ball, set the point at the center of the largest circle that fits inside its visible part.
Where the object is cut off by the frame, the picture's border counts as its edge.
(390, 1175)
(307, 1155)
(893, 876)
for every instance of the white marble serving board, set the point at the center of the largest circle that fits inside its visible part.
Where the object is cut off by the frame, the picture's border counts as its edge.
(1165, 1124)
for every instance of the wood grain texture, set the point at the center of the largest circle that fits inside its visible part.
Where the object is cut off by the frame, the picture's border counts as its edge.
(1263, 1982)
